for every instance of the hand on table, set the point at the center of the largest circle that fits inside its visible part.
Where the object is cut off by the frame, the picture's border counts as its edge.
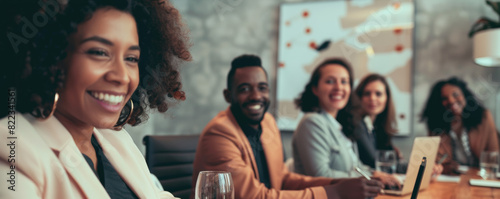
(436, 171)
(387, 179)
(354, 188)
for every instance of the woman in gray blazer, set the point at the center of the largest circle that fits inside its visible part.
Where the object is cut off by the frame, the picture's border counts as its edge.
(323, 143)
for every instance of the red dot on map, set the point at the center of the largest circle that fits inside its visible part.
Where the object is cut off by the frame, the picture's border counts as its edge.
(288, 44)
(398, 31)
(287, 23)
(396, 5)
(305, 14)
(312, 44)
(281, 65)
(308, 30)
(402, 116)
(399, 48)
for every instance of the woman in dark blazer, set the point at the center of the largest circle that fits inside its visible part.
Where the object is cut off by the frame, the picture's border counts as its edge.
(378, 122)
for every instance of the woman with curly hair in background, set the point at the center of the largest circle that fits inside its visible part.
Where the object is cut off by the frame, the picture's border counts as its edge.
(89, 68)
(465, 126)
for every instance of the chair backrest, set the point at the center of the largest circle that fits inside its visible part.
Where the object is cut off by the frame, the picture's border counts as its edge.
(171, 158)
(286, 139)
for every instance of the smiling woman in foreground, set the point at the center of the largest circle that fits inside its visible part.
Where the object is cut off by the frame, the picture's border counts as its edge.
(94, 67)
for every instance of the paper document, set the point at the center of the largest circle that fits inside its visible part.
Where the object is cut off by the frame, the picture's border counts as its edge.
(485, 183)
(463, 169)
(448, 178)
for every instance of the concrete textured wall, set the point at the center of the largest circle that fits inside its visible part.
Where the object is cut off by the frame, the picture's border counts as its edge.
(224, 29)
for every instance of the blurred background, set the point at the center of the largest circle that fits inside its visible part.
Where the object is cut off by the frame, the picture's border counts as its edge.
(223, 29)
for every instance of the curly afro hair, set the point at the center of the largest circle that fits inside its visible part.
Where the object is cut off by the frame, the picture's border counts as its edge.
(38, 32)
(438, 118)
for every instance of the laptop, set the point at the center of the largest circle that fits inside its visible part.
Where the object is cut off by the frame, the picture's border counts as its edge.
(422, 147)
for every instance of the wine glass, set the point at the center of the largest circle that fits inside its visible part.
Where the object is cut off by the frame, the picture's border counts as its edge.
(386, 161)
(488, 165)
(214, 185)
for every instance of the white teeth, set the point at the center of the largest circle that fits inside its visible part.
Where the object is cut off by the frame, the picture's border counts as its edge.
(336, 97)
(255, 107)
(110, 99)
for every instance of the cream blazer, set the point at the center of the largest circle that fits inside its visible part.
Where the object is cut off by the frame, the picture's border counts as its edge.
(48, 163)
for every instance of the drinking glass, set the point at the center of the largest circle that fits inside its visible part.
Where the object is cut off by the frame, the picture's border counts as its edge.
(386, 161)
(214, 185)
(488, 165)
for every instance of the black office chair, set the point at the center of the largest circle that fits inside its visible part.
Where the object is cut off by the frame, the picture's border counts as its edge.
(286, 139)
(171, 158)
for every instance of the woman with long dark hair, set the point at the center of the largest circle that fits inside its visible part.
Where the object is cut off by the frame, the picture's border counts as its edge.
(378, 122)
(90, 68)
(465, 126)
(324, 142)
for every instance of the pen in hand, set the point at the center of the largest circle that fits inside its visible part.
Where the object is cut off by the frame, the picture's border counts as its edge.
(363, 173)
(366, 176)
(441, 160)
(438, 168)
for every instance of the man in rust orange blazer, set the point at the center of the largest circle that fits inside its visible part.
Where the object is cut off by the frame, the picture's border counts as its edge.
(245, 141)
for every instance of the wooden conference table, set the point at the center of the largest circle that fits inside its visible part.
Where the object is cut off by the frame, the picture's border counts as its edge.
(453, 190)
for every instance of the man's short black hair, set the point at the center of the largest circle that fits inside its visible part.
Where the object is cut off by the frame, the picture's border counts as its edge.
(241, 62)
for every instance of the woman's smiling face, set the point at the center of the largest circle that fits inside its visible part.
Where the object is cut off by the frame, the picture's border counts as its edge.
(333, 90)
(374, 98)
(102, 69)
(452, 99)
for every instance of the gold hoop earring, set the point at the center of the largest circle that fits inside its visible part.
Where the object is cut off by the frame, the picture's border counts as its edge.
(119, 126)
(56, 98)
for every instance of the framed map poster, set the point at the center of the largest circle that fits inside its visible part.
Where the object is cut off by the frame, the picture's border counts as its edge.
(374, 36)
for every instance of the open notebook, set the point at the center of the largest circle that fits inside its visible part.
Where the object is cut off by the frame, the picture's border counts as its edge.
(422, 147)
